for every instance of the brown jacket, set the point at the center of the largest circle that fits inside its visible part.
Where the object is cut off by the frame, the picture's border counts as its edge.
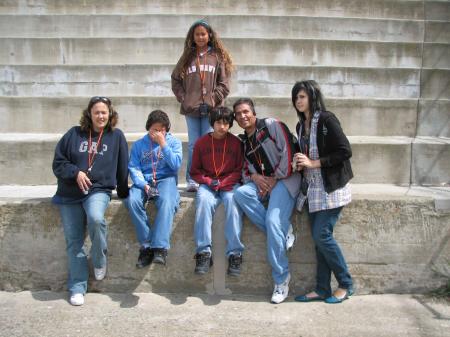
(187, 88)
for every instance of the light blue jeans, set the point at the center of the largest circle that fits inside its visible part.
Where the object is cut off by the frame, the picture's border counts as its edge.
(274, 221)
(207, 201)
(75, 218)
(158, 235)
(197, 127)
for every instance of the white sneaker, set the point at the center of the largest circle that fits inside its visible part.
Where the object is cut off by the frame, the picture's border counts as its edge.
(290, 238)
(100, 273)
(191, 187)
(281, 291)
(77, 299)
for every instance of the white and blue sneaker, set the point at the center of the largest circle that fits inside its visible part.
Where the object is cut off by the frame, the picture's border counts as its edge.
(281, 291)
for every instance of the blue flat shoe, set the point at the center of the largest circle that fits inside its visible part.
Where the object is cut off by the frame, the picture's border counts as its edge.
(335, 300)
(305, 299)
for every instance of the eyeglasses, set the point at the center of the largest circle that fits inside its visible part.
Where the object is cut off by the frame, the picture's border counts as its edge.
(97, 99)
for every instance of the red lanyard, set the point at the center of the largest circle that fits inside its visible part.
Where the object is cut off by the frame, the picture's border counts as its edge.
(202, 73)
(154, 164)
(223, 156)
(258, 158)
(92, 152)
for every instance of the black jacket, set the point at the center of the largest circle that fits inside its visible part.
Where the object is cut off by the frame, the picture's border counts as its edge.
(334, 152)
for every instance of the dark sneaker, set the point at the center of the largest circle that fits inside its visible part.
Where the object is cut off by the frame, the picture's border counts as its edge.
(159, 255)
(234, 265)
(145, 257)
(202, 263)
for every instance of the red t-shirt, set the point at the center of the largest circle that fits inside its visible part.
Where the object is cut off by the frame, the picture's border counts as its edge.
(227, 168)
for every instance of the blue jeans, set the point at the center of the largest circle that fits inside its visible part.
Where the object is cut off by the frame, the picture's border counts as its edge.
(197, 127)
(329, 255)
(75, 217)
(158, 235)
(207, 201)
(274, 221)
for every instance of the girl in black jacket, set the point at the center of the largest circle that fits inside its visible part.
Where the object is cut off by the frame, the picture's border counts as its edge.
(325, 166)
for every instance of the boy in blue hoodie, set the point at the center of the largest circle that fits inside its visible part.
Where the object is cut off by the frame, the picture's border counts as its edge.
(154, 163)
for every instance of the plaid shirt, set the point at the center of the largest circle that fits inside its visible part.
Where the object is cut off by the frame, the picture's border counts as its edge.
(318, 198)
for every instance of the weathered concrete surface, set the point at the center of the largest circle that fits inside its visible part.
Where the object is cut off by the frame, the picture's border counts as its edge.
(244, 26)
(392, 243)
(434, 118)
(154, 80)
(358, 116)
(395, 9)
(385, 160)
(48, 314)
(280, 51)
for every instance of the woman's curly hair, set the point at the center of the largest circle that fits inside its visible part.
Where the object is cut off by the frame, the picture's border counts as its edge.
(86, 120)
(214, 42)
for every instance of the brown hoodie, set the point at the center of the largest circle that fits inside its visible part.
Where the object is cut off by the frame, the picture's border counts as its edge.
(187, 88)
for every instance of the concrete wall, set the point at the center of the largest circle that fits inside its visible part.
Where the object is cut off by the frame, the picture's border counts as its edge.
(398, 245)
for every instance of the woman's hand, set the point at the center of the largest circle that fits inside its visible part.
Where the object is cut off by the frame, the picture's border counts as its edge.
(302, 160)
(83, 181)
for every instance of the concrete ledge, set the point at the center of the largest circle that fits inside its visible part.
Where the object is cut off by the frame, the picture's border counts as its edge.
(394, 9)
(394, 241)
(358, 116)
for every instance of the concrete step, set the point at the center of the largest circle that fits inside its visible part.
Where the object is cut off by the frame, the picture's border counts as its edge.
(358, 116)
(357, 8)
(434, 118)
(382, 234)
(243, 26)
(437, 31)
(435, 84)
(86, 51)
(391, 160)
(154, 80)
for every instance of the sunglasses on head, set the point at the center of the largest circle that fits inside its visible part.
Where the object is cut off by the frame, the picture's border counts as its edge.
(97, 99)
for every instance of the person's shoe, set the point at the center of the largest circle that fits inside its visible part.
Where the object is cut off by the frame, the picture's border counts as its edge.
(202, 262)
(77, 299)
(335, 300)
(145, 257)
(305, 298)
(234, 264)
(281, 291)
(159, 255)
(290, 238)
(100, 273)
(191, 187)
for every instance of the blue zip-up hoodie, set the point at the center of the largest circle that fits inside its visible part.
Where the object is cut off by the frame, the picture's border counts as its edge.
(167, 165)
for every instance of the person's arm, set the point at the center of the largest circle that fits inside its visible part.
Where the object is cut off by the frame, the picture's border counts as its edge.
(177, 84)
(222, 85)
(173, 154)
(122, 168)
(341, 146)
(62, 166)
(280, 133)
(197, 172)
(135, 168)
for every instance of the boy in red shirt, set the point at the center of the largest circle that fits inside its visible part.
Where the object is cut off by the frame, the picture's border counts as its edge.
(217, 166)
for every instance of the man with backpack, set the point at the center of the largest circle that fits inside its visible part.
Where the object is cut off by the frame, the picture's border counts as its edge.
(268, 177)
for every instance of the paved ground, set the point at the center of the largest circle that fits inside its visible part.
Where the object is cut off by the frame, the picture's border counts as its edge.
(146, 314)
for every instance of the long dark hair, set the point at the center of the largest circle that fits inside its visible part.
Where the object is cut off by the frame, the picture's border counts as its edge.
(315, 97)
(86, 120)
(216, 44)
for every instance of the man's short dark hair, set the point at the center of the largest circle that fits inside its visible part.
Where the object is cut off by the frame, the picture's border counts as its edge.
(245, 100)
(221, 113)
(158, 116)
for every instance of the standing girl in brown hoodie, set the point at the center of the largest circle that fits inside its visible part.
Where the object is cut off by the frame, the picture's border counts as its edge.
(200, 82)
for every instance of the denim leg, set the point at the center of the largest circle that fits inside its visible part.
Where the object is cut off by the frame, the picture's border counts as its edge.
(73, 221)
(166, 204)
(330, 257)
(206, 203)
(197, 127)
(233, 223)
(95, 207)
(246, 197)
(135, 203)
(278, 217)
